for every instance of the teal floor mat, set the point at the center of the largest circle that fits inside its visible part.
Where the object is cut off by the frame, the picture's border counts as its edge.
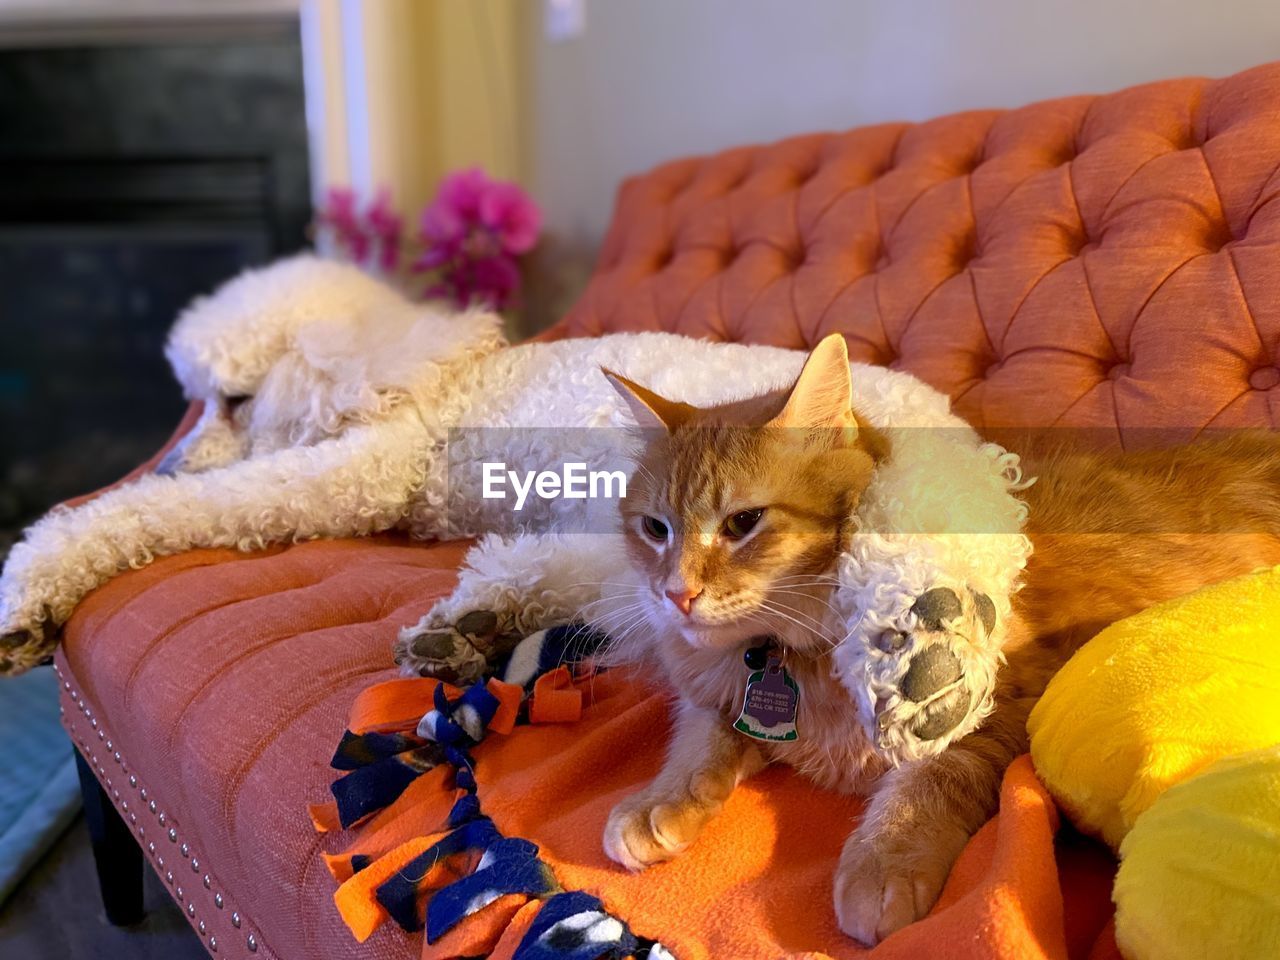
(39, 794)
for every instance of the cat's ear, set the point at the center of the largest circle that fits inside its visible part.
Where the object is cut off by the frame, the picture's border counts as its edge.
(823, 393)
(651, 411)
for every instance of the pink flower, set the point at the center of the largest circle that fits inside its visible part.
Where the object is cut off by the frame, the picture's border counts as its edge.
(456, 207)
(495, 281)
(472, 234)
(507, 212)
(385, 225)
(339, 212)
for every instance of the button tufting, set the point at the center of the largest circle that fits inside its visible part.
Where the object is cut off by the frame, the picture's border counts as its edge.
(965, 252)
(1264, 378)
(1117, 371)
(807, 174)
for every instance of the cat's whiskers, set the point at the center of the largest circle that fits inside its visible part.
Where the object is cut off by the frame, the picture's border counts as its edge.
(808, 629)
(795, 593)
(630, 621)
(777, 596)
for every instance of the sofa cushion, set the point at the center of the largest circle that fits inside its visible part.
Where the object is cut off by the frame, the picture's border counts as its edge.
(223, 680)
(1097, 261)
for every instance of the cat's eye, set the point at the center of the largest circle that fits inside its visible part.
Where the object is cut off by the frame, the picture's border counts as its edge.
(742, 523)
(654, 529)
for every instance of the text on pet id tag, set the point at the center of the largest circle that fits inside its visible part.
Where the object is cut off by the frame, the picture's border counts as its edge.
(770, 706)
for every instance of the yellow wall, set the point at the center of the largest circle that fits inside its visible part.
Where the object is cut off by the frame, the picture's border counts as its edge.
(416, 88)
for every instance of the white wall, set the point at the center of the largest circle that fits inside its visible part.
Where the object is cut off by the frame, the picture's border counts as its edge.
(655, 79)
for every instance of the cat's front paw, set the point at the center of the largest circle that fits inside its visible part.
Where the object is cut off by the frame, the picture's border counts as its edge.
(458, 651)
(888, 880)
(646, 829)
(932, 680)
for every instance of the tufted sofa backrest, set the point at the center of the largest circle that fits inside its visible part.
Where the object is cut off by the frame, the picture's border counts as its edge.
(1098, 261)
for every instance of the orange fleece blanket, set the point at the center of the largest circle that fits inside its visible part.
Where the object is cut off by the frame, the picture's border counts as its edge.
(755, 886)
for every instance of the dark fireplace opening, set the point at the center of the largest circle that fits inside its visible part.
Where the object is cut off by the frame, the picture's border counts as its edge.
(133, 177)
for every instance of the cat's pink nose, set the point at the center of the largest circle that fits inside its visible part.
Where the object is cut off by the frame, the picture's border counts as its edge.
(684, 598)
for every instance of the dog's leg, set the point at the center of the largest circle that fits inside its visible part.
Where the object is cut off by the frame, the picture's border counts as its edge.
(212, 442)
(509, 588)
(932, 674)
(356, 483)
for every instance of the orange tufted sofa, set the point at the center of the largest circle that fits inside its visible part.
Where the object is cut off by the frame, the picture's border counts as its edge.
(1107, 262)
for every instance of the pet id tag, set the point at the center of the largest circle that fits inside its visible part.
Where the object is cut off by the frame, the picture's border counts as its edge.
(769, 708)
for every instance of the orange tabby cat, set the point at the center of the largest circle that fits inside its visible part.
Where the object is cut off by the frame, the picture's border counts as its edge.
(736, 533)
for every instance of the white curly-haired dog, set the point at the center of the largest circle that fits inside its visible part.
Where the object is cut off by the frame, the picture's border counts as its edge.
(334, 407)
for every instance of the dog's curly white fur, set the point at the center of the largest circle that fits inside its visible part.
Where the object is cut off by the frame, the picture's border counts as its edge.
(329, 401)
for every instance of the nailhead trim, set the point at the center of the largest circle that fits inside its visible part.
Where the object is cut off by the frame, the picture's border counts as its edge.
(70, 721)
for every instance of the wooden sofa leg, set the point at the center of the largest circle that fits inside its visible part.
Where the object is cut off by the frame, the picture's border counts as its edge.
(118, 857)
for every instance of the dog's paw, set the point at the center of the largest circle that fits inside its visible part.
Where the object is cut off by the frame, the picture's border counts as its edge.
(457, 651)
(884, 882)
(648, 829)
(25, 645)
(933, 678)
